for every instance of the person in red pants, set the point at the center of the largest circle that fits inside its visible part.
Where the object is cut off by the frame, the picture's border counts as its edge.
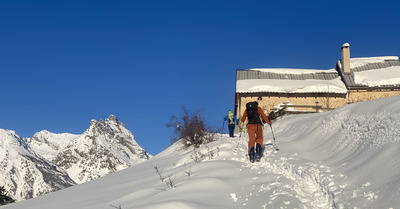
(255, 119)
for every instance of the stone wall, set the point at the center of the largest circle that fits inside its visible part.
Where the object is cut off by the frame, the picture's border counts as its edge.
(268, 102)
(359, 96)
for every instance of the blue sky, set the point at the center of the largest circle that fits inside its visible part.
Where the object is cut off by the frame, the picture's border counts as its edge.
(63, 63)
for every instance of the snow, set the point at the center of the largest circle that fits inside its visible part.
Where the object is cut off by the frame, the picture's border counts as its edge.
(291, 86)
(23, 172)
(8, 142)
(48, 144)
(378, 77)
(358, 62)
(293, 70)
(371, 78)
(84, 158)
(346, 158)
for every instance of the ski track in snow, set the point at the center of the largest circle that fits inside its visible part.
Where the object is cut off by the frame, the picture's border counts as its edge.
(279, 183)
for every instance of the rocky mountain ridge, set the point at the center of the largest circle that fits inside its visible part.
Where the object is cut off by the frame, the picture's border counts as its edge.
(66, 159)
(25, 173)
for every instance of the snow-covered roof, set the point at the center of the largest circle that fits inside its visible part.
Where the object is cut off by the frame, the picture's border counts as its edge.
(284, 80)
(291, 86)
(372, 72)
(378, 77)
(359, 62)
(293, 70)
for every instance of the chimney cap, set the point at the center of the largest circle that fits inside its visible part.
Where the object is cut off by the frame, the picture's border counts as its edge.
(345, 45)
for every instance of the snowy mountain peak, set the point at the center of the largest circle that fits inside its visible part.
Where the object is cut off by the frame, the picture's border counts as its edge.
(110, 125)
(10, 141)
(23, 172)
(7, 137)
(106, 146)
(48, 144)
(93, 121)
(51, 161)
(112, 118)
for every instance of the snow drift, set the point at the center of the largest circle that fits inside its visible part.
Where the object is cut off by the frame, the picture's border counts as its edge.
(347, 158)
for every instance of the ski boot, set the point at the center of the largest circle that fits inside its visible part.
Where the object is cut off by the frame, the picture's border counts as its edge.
(251, 155)
(259, 152)
(258, 158)
(252, 158)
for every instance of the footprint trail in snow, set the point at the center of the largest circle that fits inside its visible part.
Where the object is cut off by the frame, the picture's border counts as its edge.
(277, 181)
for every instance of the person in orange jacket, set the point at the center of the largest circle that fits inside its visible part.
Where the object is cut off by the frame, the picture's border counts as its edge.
(255, 128)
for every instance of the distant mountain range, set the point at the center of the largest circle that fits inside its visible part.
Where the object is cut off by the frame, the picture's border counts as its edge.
(48, 162)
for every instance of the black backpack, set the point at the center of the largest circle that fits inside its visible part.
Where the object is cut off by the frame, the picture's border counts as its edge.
(252, 113)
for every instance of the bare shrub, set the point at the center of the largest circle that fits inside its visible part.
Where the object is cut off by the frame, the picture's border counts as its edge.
(198, 156)
(189, 172)
(191, 129)
(159, 172)
(117, 207)
(171, 181)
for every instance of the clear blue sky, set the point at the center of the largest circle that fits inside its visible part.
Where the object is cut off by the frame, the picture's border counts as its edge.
(63, 63)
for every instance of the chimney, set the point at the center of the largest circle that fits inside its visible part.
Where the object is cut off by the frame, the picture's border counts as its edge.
(345, 50)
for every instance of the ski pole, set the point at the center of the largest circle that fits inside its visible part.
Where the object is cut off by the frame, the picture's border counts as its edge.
(240, 127)
(223, 124)
(274, 144)
(241, 130)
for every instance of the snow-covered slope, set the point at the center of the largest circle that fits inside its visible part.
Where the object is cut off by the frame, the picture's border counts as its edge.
(347, 158)
(105, 147)
(23, 173)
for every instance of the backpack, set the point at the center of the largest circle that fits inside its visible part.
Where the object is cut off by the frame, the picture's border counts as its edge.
(252, 113)
(230, 118)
